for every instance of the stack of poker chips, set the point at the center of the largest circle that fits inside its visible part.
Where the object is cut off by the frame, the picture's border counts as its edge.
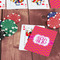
(0, 23)
(8, 26)
(53, 20)
(17, 2)
(2, 33)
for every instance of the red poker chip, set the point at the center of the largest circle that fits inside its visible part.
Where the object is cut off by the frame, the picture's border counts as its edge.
(4, 18)
(15, 17)
(54, 22)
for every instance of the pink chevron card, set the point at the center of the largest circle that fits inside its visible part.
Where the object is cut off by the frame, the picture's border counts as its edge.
(55, 3)
(41, 41)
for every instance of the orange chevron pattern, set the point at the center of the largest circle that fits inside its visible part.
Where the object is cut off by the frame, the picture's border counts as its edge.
(55, 3)
(39, 49)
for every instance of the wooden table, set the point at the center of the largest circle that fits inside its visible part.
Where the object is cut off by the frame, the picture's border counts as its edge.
(10, 45)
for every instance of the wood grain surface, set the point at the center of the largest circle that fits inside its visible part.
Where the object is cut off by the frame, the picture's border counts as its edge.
(39, 17)
(10, 45)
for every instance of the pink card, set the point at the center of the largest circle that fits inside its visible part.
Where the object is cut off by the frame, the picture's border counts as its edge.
(41, 41)
(55, 3)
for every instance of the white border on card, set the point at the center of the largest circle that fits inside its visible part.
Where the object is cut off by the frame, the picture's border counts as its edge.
(23, 36)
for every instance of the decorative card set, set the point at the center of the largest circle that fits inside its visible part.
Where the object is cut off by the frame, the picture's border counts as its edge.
(25, 4)
(26, 31)
(32, 4)
(37, 39)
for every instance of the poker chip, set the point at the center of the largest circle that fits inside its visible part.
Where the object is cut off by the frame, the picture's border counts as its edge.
(2, 34)
(4, 18)
(51, 14)
(13, 16)
(9, 27)
(54, 22)
(0, 23)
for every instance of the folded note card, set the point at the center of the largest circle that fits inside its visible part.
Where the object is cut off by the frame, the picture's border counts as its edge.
(41, 41)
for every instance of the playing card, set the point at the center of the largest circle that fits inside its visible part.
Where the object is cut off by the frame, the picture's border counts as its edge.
(26, 31)
(2, 4)
(55, 3)
(38, 4)
(16, 4)
(41, 41)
